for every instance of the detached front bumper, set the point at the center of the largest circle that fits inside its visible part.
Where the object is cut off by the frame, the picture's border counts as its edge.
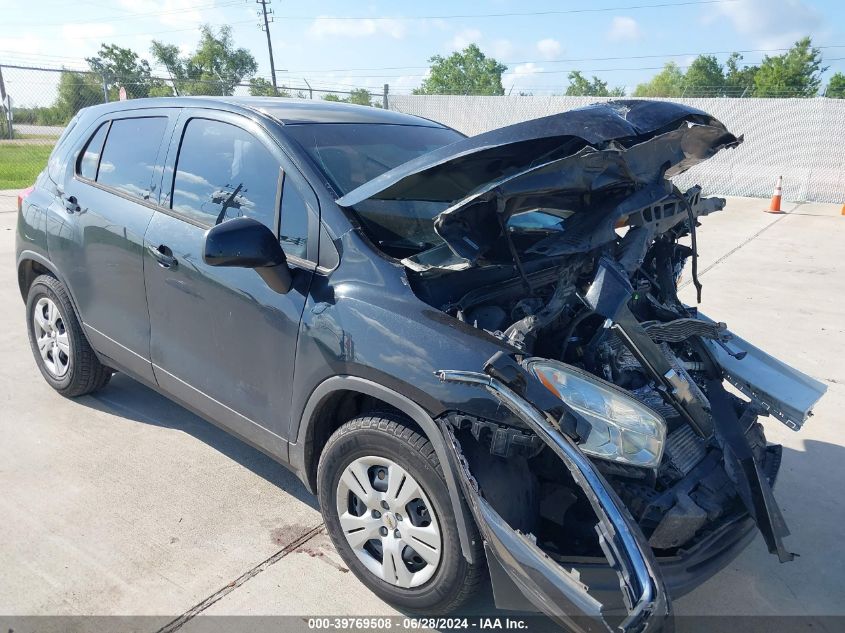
(681, 573)
(584, 595)
(547, 585)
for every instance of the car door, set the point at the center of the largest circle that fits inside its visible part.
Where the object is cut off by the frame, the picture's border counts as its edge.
(95, 236)
(222, 341)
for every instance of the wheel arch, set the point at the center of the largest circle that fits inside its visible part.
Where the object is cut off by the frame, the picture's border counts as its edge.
(30, 266)
(324, 412)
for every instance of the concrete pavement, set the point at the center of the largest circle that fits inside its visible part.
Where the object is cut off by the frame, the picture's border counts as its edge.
(124, 503)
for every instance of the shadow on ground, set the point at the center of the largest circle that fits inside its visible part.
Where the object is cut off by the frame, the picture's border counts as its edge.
(128, 399)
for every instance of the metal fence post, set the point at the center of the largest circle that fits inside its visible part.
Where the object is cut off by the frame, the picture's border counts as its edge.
(7, 112)
(105, 89)
(384, 96)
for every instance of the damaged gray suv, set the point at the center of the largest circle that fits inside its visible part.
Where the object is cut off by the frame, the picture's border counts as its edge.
(471, 349)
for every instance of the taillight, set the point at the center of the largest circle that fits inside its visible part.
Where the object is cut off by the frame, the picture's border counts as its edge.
(22, 196)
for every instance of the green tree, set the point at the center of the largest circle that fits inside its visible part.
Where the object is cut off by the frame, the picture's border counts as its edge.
(796, 73)
(122, 67)
(669, 82)
(580, 86)
(215, 68)
(360, 96)
(260, 87)
(739, 81)
(76, 91)
(704, 78)
(161, 89)
(468, 72)
(836, 87)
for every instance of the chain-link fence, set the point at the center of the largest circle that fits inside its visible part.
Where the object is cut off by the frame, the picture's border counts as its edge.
(39, 102)
(801, 139)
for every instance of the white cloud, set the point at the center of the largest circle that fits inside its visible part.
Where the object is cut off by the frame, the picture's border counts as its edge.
(87, 31)
(529, 68)
(466, 37)
(549, 48)
(521, 78)
(325, 25)
(623, 28)
(769, 23)
(501, 49)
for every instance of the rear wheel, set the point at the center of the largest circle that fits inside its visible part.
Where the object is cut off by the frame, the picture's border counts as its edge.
(61, 350)
(388, 512)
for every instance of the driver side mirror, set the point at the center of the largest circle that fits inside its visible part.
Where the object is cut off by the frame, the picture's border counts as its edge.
(247, 243)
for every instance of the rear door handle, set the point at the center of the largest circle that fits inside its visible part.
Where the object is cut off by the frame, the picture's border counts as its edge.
(164, 256)
(71, 204)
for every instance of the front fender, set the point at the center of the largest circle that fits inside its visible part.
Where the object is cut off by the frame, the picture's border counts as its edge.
(298, 450)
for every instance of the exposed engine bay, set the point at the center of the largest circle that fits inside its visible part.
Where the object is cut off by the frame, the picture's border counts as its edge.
(619, 320)
(546, 315)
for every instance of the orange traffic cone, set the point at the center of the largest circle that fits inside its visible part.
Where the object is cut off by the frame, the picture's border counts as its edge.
(843, 209)
(774, 207)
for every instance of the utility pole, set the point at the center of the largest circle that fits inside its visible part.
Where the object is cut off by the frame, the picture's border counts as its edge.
(266, 28)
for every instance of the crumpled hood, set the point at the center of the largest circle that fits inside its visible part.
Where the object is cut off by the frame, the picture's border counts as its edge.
(611, 158)
(451, 172)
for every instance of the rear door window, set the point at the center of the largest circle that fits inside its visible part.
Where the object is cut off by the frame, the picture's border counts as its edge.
(90, 159)
(129, 157)
(223, 172)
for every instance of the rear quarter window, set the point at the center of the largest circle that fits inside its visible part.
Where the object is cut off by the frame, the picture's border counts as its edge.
(56, 163)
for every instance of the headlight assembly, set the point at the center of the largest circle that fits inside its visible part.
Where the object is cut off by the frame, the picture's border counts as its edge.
(622, 429)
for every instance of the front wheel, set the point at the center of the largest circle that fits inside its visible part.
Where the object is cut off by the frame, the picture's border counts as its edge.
(388, 512)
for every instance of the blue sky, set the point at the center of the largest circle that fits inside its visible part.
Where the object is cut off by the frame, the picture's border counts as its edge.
(390, 42)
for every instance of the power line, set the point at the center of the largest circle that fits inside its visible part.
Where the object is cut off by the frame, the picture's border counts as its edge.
(568, 60)
(554, 61)
(630, 7)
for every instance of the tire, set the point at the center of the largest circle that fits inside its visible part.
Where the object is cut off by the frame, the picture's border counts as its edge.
(365, 445)
(70, 366)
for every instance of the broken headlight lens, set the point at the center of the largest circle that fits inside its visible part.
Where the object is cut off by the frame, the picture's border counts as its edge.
(622, 429)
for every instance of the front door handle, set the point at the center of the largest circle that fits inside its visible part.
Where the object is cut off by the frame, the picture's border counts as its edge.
(164, 256)
(71, 204)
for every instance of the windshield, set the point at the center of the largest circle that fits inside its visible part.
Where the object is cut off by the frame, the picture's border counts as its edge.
(350, 154)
